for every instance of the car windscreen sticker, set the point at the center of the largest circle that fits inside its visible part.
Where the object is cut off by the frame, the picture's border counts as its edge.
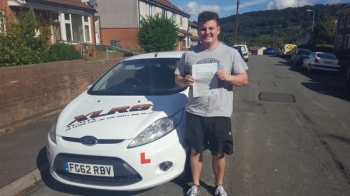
(97, 116)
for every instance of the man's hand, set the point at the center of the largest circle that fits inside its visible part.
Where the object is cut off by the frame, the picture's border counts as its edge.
(188, 80)
(223, 75)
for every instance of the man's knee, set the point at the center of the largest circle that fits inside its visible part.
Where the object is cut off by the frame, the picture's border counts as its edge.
(218, 156)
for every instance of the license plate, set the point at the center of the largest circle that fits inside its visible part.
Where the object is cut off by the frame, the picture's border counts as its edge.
(89, 169)
(328, 63)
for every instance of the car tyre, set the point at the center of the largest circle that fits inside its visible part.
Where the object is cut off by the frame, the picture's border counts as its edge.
(246, 60)
(186, 175)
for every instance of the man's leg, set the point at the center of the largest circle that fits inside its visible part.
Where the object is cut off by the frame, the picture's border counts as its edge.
(218, 165)
(196, 166)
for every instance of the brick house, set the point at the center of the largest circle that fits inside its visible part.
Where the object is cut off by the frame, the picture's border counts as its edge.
(192, 28)
(342, 40)
(71, 20)
(121, 20)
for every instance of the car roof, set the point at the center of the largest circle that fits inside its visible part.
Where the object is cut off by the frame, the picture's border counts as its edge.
(169, 54)
(324, 53)
(240, 45)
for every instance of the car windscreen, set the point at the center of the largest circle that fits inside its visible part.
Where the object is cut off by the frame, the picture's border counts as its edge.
(326, 56)
(243, 48)
(154, 76)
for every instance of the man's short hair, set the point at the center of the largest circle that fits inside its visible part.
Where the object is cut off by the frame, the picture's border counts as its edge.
(208, 15)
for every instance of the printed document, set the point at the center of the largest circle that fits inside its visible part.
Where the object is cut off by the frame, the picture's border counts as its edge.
(206, 83)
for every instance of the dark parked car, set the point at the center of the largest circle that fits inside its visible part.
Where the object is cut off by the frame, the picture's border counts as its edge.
(238, 48)
(269, 51)
(299, 55)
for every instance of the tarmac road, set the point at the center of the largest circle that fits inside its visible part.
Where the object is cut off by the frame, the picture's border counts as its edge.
(290, 129)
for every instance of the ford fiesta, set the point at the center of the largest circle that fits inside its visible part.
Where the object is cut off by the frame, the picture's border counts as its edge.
(126, 132)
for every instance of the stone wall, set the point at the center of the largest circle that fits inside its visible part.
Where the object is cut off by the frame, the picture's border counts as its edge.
(29, 91)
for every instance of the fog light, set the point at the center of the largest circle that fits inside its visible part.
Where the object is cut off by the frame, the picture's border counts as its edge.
(165, 166)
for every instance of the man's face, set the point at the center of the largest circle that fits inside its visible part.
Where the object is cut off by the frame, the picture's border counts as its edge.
(208, 31)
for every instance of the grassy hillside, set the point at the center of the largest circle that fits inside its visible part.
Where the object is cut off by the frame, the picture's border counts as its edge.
(259, 28)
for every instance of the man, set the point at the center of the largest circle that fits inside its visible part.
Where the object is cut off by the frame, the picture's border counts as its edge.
(208, 118)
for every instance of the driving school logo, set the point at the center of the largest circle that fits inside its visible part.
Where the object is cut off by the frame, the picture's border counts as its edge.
(95, 116)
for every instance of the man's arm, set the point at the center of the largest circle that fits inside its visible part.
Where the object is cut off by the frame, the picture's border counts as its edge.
(237, 80)
(184, 81)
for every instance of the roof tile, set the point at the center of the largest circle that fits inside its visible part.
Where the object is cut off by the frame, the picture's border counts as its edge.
(72, 3)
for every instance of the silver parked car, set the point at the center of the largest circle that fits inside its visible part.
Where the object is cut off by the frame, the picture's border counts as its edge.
(321, 61)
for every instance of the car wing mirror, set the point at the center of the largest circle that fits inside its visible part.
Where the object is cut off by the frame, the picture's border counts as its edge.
(87, 88)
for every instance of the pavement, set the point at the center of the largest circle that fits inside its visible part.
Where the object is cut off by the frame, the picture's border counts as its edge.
(23, 155)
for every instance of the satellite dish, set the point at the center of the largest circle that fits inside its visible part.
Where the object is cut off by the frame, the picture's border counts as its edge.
(92, 3)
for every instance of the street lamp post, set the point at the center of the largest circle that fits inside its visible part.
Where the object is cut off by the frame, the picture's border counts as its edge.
(313, 19)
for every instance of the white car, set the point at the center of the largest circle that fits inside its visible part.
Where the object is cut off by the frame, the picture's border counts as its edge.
(126, 132)
(321, 61)
(244, 50)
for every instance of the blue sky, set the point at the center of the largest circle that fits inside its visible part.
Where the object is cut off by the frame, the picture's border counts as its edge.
(228, 7)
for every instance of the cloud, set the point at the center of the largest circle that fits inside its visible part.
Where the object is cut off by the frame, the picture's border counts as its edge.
(245, 4)
(279, 4)
(193, 8)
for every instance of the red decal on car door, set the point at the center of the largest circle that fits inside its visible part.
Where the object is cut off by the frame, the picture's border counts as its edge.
(143, 158)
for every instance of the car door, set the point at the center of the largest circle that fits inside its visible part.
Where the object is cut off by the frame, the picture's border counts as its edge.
(308, 60)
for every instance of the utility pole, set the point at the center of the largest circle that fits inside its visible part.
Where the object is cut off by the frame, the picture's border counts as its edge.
(236, 24)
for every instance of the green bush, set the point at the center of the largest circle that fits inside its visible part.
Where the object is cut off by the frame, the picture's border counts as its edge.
(20, 42)
(157, 34)
(62, 52)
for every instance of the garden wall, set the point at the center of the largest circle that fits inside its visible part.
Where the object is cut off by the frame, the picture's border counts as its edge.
(30, 91)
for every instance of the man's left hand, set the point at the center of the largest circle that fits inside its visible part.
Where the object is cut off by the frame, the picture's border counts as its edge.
(223, 75)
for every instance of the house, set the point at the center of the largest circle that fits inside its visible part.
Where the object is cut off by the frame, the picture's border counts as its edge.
(303, 38)
(342, 40)
(71, 20)
(192, 28)
(120, 20)
(257, 50)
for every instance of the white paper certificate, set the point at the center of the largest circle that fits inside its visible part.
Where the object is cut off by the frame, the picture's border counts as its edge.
(206, 83)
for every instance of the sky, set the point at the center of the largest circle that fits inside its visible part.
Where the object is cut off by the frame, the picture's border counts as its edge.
(228, 7)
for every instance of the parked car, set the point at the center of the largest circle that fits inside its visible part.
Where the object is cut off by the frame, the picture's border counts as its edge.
(299, 55)
(279, 51)
(269, 51)
(321, 61)
(126, 132)
(239, 51)
(245, 51)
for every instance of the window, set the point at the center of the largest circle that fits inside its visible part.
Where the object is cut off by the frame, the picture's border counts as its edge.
(164, 14)
(173, 17)
(77, 27)
(150, 8)
(339, 41)
(184, 41)
(181, 22)
(347, 42)
(342, 20)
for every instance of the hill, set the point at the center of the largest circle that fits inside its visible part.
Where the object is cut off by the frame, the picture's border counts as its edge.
(261, 28)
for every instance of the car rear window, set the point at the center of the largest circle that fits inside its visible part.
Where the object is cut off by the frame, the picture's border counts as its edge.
(326, 56)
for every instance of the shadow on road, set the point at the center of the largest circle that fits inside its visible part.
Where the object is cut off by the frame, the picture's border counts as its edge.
(342, 139)
(322, 82)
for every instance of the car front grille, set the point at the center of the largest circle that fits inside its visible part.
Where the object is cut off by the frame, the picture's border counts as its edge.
(124, 173)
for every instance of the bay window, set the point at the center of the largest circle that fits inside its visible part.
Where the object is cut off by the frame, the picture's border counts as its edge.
(77, 27)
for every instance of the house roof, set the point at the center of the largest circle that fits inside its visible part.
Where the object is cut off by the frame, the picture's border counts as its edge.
(168, 4)
(190, 23)
(184, 32)
(344, 9)
(195, 38)
(67, 3)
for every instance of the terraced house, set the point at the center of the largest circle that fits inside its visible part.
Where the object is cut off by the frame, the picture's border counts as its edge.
(71, 20)
(120, 20)
(343, 29)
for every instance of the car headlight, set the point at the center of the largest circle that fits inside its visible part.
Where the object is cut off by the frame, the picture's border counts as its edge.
(158, 129)
(52, 133)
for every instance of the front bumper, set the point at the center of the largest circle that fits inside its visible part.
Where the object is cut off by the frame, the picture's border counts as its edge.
(130, 172)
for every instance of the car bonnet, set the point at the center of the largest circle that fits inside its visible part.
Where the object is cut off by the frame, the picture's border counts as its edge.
(116, 117)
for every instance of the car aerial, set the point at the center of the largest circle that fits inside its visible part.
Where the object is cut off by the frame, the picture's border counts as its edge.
(269, 51)
(239, 51)
(299, 55)
(245, 51)
(321, 61)
(126, 132)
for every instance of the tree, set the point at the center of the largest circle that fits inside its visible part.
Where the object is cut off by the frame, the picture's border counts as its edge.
(324, 31)
(157, 34)
(25, 40)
